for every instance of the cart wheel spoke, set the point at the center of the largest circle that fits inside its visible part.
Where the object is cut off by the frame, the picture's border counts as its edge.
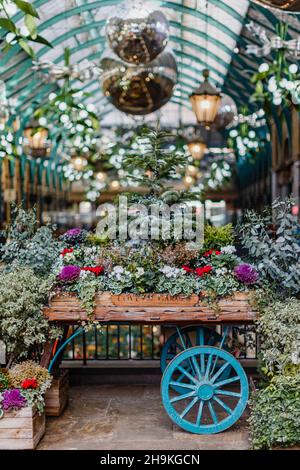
(189, 407)
(187, 374)
(227, 393)
(193, 335)
(182, 397)
(182, 384)
(213, 413)
(221, 403)
(208, 366)
(200, 411)
(200, 336)
(227, 381)
(220, 371)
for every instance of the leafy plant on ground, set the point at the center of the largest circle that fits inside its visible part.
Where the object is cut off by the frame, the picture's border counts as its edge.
(275, 413)
(23, 329)
(279, 329)
(272, 242)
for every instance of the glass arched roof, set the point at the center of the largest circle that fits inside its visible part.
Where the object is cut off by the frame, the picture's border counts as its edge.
(80, 26)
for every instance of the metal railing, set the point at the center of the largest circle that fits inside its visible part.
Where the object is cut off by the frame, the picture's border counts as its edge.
(144, 342)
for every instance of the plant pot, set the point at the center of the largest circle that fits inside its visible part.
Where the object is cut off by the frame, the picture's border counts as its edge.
(154, 300)
(21, 429)
(56, 398)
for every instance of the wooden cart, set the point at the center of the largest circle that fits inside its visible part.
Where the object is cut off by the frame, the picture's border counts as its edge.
(204, 388)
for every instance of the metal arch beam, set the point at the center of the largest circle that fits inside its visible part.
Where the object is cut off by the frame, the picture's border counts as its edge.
(92, 42)
(90, 6)
(97, 41)
(88, 26)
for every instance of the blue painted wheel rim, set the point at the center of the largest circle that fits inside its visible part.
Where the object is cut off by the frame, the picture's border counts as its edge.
(206, 395)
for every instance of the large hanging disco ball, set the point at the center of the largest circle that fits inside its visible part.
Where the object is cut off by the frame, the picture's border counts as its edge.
(139, 89)
(137, 32)
(227, 111)
(292, 6)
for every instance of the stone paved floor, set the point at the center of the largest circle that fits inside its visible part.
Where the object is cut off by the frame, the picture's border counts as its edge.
(112, 417)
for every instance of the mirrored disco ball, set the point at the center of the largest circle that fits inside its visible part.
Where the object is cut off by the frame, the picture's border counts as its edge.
(226, 112)
(139, 89)
(137, 32)
(284, 5)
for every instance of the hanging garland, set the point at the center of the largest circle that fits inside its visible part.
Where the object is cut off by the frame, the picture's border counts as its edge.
(245, 139)
(277, 84)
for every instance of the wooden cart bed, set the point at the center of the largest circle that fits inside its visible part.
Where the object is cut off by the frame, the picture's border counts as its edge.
(152, 308)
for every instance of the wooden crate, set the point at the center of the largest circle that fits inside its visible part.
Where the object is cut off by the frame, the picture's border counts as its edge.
(56, 398)
(21, 429)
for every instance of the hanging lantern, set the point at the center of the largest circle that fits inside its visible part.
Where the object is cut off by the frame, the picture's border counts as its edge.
(139, 90)
(284, 5)
(36, 140)
(197, 148)
(205, 101)
(137, 32)
(226, 113)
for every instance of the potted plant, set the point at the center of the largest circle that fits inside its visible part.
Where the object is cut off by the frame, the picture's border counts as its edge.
(22, 417)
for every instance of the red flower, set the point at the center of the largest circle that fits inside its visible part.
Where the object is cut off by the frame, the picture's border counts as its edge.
(66, 250)
(205, 270)
(29, 383)
(187, 268)
(211, 252)
(97, 270)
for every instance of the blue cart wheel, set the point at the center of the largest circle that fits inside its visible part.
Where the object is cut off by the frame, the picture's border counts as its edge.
(210, 403)
(193, 335)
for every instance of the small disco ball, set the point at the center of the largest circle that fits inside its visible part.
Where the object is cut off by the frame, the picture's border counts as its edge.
(292, 6)
(142, 89)
(227, 111)
(137, 32)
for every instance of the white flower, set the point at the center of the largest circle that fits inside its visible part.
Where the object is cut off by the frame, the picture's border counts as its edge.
(84, 274)
(277, 101)
(263, 68)
(293, 68)
(272, 85)
(290, 85)
(228, 249)
(62, 106)
(170, 271)
(118, 270)
(139, 272)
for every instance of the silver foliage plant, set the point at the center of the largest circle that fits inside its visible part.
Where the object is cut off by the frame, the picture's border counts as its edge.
(272, 240)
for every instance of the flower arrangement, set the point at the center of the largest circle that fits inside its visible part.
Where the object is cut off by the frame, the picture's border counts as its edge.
(23, 385)
(215, 272)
